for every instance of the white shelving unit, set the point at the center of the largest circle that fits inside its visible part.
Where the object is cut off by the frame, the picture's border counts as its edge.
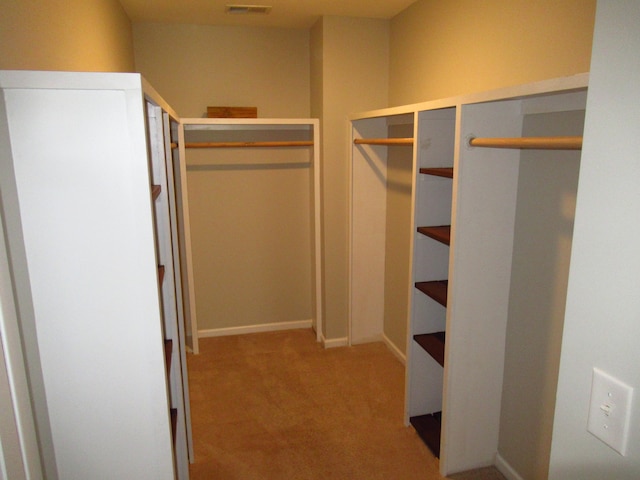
(86, 232)
(263, 143)
(433, 183)
(483, 332)
(177, 303)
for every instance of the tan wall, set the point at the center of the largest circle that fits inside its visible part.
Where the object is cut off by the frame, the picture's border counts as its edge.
(441, 49)
(193, 66)
(398, 226)
(250, 221)
(74, 35)
(354, 66)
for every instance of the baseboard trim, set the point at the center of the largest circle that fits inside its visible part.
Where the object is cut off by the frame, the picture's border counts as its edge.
(334, 342)
(505, 469)
(267, 327)
(395, 350)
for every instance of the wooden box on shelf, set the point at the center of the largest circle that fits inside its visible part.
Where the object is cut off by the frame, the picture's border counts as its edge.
(232, 112)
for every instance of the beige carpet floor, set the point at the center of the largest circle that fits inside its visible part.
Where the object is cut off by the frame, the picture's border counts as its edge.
(277, 405)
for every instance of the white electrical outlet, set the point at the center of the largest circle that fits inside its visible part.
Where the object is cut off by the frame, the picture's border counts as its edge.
(610, 410)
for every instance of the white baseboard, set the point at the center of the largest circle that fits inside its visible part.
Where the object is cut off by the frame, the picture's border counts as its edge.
(395, 350)
(334, 342)
(267, 327)
(505, 469)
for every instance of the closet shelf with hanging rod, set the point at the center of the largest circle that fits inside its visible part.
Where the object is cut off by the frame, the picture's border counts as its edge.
(542, 143)
(383, 141)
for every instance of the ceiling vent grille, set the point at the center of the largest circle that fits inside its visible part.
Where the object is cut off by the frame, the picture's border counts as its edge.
(247, 9)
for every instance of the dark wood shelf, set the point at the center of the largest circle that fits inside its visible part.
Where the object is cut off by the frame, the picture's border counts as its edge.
(168, 350)
(435, 289)
(428, 427)
(433, 344)
(441, 233)
(174, 423)
(438, 172)
(155, 191)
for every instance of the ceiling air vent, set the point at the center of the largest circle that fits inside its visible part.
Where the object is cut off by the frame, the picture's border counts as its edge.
(247, 9)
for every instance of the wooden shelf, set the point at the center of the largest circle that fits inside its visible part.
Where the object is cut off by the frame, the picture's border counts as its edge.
(438, 172)
(433, 344)
(155, 191)
(441, 233)
(428, 427)
(160, 274)
(435, 289)
(168, 350)
(174, 423)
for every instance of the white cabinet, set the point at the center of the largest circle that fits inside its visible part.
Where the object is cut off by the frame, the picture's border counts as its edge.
(489, 247)
(79, 156)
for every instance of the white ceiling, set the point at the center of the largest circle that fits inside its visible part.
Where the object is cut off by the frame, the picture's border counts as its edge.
(285, 13)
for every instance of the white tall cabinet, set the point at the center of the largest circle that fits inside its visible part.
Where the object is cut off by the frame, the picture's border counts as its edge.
(489, 246)
(90, 217)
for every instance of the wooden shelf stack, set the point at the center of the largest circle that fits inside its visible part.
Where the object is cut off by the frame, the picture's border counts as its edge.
(432, 218)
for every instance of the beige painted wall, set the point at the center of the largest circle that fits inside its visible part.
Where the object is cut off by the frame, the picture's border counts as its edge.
(250, 220)
(193, 66)
(353, 69)
(398, 230)
(441, 49)
(74, 35)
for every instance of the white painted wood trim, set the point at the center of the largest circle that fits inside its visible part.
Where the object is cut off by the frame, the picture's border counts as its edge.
(267, 327)
(400, 355)
(317, 231)
(578, 81)
(249, 123)
(507, 470)
(19, 458)
(186, 257)
(335, 342)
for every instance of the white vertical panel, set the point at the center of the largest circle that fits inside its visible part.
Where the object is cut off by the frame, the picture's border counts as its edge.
(82, 184)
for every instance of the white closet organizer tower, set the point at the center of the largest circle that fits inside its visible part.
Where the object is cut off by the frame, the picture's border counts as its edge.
(88, 197)
(492, 199)
(226, 143)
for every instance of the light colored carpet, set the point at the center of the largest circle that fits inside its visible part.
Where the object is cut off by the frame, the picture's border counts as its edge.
(278, 406)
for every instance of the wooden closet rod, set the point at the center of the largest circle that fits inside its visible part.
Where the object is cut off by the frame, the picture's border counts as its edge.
(543, 143)
(383, 141)
(305, 143)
